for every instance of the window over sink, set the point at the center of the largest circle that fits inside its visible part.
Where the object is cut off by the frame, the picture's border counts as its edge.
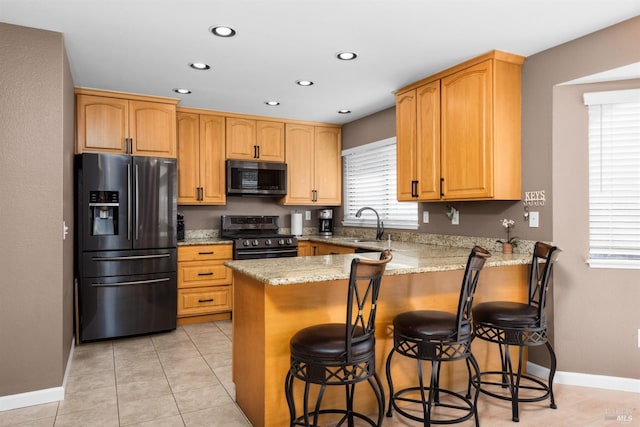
(369, 179)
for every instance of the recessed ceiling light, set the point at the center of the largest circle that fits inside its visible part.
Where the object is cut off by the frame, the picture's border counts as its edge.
(222, 31)
(346, 56)
(344, 111)
(272, 103)
(182, 91)
(304, 82)
(199, 66)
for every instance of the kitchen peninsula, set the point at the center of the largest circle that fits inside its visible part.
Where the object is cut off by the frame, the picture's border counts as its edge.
(274, 298)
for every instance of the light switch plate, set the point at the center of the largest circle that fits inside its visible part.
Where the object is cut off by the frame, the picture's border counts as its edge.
(307, 215)
(534, 219)
(455, 220)
(425, 217)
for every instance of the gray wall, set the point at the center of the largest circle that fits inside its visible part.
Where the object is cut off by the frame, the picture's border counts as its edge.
(36, 195)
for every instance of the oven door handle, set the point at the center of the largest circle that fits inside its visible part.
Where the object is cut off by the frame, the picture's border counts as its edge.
(267, 252)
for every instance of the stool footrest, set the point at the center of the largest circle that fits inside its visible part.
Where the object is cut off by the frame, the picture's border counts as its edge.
(465, 404)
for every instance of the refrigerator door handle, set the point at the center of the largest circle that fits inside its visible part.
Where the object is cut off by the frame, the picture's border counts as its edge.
(133, 282)
(129, 201)
(137, 202)
(127, 258)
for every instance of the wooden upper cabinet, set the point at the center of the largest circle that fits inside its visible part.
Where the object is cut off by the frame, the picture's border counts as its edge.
(201, 169)
(260, 140)
(102, 124)
(152, 127)
(328, 166)
(314, 162)
(111, 122)
(418, 143)
(466, 127)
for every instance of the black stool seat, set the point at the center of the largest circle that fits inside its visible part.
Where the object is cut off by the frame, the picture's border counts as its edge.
(509, 323)
(506, 314)
(340, 354)
(438, 336)
(327, 341)
(428, 325)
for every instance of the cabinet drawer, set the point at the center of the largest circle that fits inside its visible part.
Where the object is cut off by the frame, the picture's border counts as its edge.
(204, 252)
(202, 273)
(212, 299)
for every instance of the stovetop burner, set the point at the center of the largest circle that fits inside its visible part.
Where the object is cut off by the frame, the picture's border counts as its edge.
(257, 237)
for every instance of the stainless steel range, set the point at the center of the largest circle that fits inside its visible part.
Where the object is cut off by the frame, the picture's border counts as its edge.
(257, 237)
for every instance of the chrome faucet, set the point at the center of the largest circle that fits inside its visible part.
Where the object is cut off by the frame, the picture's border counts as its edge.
(379, 224)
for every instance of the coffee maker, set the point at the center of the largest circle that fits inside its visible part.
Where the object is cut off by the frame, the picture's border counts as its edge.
(325, 227)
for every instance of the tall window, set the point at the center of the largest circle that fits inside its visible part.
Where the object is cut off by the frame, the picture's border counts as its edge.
(369, 175)
(614, 178)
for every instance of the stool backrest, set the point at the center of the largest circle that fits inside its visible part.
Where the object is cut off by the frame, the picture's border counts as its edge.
(475, 262)
(362, 299)
(544, 257)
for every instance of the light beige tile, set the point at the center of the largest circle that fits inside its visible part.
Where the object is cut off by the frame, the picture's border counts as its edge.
(91, 361)
(182, 350)
(218, 360)
(201, 398)
(137, 411)
(145, 368)
(192, 380)
(227, 415)
(133, 345)
(103, 417)
(88, 399)
(98, 347)
(143, 389)
(174, 421)
(194, 365)
(28, 414)
(170, 339)
(42, 422)
(90, 381)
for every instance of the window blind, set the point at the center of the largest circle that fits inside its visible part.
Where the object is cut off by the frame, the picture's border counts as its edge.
(614, 178)
(369, 179)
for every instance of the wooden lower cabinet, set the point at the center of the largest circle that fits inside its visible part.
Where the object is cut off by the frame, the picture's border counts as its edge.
(329, 249)
(204, 283)
(305, 249)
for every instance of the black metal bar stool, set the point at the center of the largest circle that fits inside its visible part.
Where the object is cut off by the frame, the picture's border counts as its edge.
(438, 336)
(523, 325)
(340, 353)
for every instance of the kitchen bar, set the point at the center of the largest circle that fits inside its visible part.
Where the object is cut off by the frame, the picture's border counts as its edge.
(276, 298)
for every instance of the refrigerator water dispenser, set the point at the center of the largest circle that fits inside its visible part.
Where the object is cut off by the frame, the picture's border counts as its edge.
(103, 211)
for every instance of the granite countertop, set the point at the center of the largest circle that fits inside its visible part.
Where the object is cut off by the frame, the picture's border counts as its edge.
(408, 258)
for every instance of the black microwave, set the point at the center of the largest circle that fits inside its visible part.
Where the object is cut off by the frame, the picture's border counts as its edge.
(246, 178)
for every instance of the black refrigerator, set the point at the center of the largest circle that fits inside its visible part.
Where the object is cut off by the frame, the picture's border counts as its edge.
(126, 211)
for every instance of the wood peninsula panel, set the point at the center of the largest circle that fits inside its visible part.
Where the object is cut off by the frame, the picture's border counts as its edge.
(270, 315)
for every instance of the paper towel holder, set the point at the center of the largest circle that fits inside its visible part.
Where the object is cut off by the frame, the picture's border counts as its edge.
(296, 224)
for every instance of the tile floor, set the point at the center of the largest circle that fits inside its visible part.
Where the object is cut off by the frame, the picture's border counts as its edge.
(183, 378)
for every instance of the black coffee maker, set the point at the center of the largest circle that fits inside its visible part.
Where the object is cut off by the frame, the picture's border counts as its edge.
(325, 227)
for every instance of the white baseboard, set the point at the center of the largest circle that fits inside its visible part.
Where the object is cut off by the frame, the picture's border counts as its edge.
(586, 380)
(38, 397)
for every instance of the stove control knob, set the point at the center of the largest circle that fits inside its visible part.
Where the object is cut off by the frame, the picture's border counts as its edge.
(289, 242)
(254, 242)
(281, 242)
(267, 242)
(245, 243)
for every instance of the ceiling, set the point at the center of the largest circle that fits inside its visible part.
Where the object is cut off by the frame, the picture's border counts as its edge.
(145, 46)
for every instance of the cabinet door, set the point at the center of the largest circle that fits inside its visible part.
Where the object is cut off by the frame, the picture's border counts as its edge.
(299, 151)
(152, 126)
(406, 145)
(428, 141)
(212, 167)
(101, 124)
(241, 138)
(305, 249)
(467, 157)
(328, 166)
(270, 140)
(188, 157)
(329, 249)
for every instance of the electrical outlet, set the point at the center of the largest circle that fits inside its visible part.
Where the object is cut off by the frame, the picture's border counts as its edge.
(425, 217)
(455, 218)
(534, 219)
(307, 215)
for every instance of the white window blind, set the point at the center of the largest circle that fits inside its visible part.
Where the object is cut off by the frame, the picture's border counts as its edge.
(614, 178)
(369, 179)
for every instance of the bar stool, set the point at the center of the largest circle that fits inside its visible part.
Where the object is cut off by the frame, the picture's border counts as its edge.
(340, 353)
(438, 336)
(523, 325)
